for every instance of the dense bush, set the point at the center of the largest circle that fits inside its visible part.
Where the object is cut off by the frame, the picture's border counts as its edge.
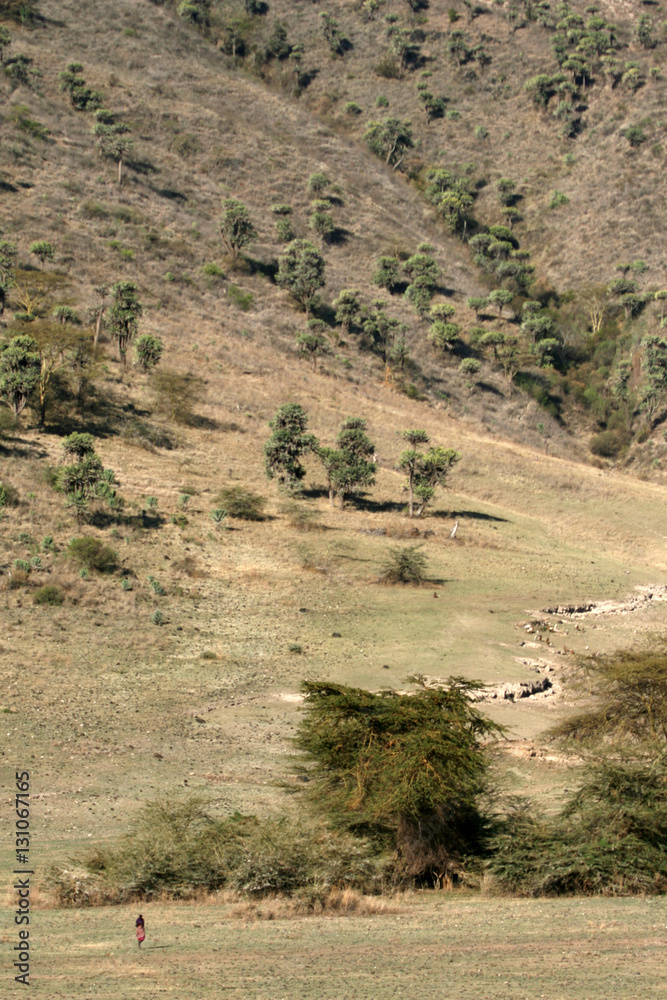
(608, 840)
(241, 503)
(180, 848)
(93, 554)
(404, 565)
(50, 594)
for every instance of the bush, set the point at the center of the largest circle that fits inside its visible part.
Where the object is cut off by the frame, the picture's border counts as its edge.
(8, 496)
(175, 394)
(178, 848)
(404, 565)
(556, 199)
(608, 840)
(50, 594)
(241, 503)
(388, 68)
(608, 444)
(91, 553)
(212, 270)
(243, 300)
(352, 108)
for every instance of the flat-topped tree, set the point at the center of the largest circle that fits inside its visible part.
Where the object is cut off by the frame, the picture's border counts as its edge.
(113, 143)
(124, 315)
(42, 250)
(287, 445)
(500, 298)
(236, 229)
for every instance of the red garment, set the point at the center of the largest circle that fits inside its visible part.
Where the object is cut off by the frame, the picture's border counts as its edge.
(141, 933)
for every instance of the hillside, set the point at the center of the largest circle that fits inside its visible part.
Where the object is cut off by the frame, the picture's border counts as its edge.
(122, 690)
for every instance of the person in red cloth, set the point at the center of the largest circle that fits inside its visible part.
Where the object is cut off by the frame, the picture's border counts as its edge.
(141, 930)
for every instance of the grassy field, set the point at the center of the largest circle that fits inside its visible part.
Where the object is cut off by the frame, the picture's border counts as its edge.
(425, 946)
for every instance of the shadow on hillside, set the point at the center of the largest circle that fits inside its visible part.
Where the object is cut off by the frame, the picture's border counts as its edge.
(379, 506)
(487, 387)
(17, 447)
(142, 166)
(473, 515)
(170, 194)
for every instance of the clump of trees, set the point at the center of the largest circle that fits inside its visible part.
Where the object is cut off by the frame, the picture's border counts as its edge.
(609, 837)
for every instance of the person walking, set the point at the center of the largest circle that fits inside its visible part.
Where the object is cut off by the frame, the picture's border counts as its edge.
(141, 929)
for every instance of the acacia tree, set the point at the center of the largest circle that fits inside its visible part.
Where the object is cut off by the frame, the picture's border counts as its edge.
(59, 345)
(301, 272)
(19, 372)
(407, 769)
(425, 470)
(124, 315)
(313, 341)
(286, 446)
(114, 143)
(236, 229)
(390, 139)
(351, 465)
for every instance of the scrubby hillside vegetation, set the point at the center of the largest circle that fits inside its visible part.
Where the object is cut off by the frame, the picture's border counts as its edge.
(491, 174)
(333, 348)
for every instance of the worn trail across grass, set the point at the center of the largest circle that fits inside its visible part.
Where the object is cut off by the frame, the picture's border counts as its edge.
(430, 945)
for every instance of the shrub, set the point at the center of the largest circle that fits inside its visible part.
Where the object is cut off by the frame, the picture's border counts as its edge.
(404, 565)
(175, 394)
(608, 444)
(556, 199)
(387, 68)
(381, 101)
(241, 503)
(212, 270)
(8, 496)
(243, 300)
(158, 618)
(352, 108)
(318, 183)
(93, 554)
(177, 848)
(50, 594)
(635, 135)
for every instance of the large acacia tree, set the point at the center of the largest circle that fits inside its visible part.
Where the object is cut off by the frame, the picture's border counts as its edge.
(407, 770)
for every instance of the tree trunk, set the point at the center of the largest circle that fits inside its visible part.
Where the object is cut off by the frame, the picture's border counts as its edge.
(98, 327)
(120, 172)
(411, 495)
